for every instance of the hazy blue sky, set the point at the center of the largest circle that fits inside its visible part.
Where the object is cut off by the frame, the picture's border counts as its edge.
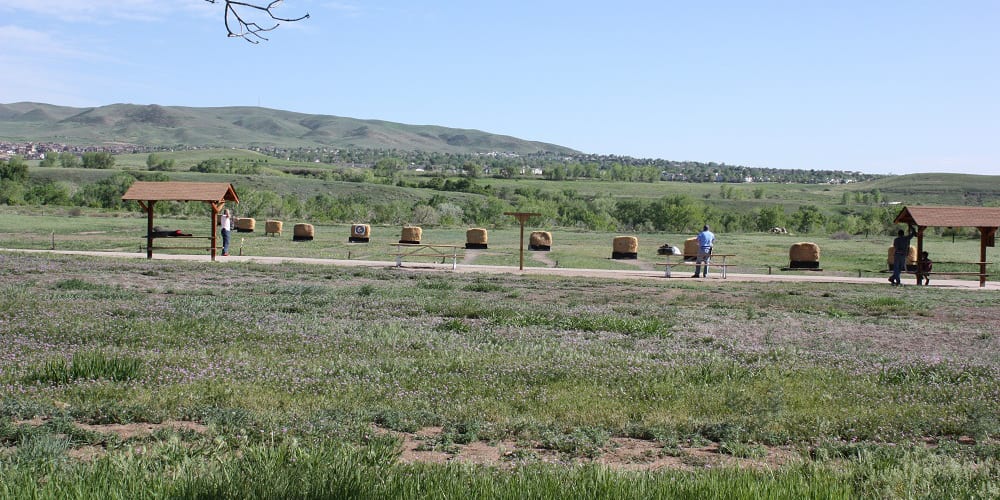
(876, 86)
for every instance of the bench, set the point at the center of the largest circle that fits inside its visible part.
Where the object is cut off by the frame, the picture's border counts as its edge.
(981, 275)
(443, 252)
(176, 247)
(952, 273)
(684, 262)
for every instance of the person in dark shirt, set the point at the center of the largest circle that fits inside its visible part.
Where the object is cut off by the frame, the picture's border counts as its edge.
(901, 246)
(924, 266)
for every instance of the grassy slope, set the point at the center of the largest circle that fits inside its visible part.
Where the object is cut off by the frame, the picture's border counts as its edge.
(239, 127)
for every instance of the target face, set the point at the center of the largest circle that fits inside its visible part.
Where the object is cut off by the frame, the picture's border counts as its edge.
(359, 229)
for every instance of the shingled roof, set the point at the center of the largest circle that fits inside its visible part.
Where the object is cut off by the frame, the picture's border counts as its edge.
(211, 192)
(950, 216)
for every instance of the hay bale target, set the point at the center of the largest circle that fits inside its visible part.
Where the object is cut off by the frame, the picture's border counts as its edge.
(411, 234)
(911, 258)
(245, 225)
(691, 249)
(625, 247)
(360, 233)
(804, 255)
(303, 232)
(272, 227)
(476, 238)
(540, 241)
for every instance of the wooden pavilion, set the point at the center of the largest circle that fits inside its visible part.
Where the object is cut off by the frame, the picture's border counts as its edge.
(985, 219)
(215, 194)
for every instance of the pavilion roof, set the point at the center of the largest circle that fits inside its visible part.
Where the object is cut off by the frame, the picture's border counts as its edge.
(950, 216)
(210, 192)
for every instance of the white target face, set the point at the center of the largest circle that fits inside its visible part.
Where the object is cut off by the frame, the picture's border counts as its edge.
(359, 229)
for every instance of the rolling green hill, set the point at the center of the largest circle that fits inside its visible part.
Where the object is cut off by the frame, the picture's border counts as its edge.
(154, 125)
(941, 189)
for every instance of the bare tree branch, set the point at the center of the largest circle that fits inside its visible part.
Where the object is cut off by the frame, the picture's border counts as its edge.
(239, 24)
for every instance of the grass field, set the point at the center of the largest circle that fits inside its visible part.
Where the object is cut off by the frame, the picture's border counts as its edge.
(164, 379)
(755, 252)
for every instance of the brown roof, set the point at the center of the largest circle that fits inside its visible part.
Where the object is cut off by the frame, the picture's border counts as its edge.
(950, 216)
(211, 192)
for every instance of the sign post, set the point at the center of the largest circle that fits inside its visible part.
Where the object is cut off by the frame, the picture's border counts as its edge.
(522, 217)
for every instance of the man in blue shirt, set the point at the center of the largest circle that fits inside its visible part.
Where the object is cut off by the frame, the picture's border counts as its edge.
(705, 241)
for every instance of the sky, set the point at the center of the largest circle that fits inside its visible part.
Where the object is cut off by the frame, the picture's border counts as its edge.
(885, 87)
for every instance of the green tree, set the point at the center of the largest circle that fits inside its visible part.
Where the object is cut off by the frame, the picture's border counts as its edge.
(768, 217)
(11, 193)
(629, 213)
(51, 159)
(68, 160)
(47, 193)
(472, 169)
(508, 171)
(389, 167)
(806, 218)
(98, 159)
(154, 162)
(681, 213)
(106, 193)
(14, 170)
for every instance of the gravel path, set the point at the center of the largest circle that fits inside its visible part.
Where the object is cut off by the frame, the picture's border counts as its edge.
(557, 271)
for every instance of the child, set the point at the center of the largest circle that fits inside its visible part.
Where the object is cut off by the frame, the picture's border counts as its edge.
(924, 266)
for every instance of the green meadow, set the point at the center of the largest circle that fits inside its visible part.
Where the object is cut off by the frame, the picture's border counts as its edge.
(135, 378)
(128, 378)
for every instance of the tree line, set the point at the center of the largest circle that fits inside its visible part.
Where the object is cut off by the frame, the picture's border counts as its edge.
(561, 166)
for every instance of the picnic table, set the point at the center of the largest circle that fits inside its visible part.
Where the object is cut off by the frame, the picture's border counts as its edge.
(443, 252)
(688, 260)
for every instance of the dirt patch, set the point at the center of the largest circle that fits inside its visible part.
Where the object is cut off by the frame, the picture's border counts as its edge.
(126, 431)
(86, 453)
(470, 256)
(89, 453)
(424, 446)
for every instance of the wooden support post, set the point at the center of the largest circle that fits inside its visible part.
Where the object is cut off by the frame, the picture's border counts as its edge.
(522, 217)
(148, 207)
(987, 237)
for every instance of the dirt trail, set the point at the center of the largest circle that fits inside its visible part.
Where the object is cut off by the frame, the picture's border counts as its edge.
(470, 256)
(644, 271)
(544, 258)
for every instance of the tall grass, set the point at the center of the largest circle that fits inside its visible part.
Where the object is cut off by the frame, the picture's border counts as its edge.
(290, 470)
(89, 365)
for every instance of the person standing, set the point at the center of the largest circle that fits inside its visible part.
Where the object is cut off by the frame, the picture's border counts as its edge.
(900, 247)
(226, 225)
(706, 239)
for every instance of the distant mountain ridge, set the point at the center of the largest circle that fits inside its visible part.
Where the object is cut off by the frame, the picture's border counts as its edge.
(242, 126)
